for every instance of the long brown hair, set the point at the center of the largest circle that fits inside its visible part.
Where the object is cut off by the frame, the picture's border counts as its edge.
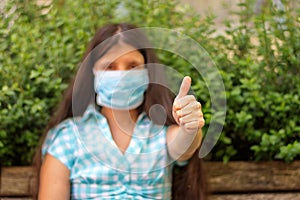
(188, 181)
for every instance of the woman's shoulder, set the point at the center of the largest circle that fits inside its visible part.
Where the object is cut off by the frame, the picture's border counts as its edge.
(61, 143)
(67, 123)
(65, 126)
(61, 131)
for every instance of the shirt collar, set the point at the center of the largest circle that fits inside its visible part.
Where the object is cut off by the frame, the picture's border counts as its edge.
(91, 111)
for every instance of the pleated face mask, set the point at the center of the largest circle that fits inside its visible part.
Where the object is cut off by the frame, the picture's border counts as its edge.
(121, 89)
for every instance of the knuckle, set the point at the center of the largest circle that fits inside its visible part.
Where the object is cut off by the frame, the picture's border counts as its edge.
(192, 97)
(194, 104)
(200, 113)
(189, 97)
(202, 122)
(199, 104)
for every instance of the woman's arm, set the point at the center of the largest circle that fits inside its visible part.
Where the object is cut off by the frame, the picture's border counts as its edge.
(54, 180)
(183, 139)
(182, 145)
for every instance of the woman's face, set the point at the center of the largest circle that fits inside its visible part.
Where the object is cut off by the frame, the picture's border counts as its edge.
(121, 57)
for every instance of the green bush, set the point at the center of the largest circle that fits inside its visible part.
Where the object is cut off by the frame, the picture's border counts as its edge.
(261, 61)
(258, 58)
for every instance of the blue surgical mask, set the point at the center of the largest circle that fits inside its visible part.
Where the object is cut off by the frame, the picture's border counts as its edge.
(121, 89)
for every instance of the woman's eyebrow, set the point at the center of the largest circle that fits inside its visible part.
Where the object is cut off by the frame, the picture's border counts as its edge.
(103, 64)
(137, 60)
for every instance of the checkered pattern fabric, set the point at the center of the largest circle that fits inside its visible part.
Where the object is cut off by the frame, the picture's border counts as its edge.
(99, 170)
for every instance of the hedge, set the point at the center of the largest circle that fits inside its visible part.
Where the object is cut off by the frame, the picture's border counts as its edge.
(258, 58)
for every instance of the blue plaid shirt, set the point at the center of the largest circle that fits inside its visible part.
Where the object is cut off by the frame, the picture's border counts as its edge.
(99, 170)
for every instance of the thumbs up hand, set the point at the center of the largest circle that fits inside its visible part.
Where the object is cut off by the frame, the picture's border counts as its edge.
(186, 109)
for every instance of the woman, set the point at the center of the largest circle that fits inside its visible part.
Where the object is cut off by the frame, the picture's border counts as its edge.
(119, 132)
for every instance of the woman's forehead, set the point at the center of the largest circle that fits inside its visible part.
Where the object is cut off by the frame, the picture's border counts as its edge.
(118, 51)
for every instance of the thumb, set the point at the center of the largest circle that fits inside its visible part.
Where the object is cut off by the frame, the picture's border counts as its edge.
(185, 87)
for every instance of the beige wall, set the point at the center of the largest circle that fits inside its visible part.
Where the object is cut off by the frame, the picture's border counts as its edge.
(217, 7)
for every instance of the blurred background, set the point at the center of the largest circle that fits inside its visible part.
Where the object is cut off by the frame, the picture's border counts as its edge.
(254, 44)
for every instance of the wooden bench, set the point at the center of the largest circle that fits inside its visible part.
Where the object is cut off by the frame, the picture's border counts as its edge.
(232, 181)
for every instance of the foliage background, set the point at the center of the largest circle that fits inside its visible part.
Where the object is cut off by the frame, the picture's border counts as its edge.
(258, 58)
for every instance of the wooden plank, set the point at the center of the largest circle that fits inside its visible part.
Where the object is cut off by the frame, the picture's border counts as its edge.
(15, 198)
(233, 177)
(253, 177)
(274, 196)
(16, 181)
